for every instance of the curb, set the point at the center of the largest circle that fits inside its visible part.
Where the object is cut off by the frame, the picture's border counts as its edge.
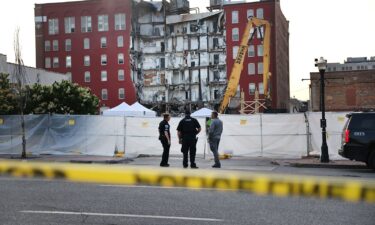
(328, 165)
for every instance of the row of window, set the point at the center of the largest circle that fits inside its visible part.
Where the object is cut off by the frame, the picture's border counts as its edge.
(249, 13)
(86, 61)
(251, 68)
(250, 51)
(104, 76)
(121, 94)
(86, 24)
(86, 44)
(252, 87)
(348, 68)
(236, 33)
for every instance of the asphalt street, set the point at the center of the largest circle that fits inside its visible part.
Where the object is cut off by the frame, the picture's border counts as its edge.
(42, 202)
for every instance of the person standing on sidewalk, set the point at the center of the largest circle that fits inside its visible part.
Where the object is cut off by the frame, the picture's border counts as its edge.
(214, 135)
(187, 131)
(165, 139)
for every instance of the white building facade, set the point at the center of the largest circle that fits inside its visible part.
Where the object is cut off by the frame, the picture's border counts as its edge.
(32, 75)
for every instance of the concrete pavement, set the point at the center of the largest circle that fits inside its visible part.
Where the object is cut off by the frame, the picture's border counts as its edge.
(204, 162)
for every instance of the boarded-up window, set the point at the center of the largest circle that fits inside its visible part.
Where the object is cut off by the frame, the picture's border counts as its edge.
(351, 97)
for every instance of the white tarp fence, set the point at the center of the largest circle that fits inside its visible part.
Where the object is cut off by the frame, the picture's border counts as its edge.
(270, 135)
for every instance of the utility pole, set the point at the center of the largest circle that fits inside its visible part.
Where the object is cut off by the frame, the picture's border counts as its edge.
(322, 65)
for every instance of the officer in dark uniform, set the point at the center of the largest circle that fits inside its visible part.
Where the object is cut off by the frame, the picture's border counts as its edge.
(187, 130)
(165, 139)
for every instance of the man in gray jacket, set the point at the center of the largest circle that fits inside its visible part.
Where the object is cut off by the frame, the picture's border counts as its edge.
(214, 135)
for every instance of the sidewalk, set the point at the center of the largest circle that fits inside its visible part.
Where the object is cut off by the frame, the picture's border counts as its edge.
(67, 158)
(234, 163)
(314, 162)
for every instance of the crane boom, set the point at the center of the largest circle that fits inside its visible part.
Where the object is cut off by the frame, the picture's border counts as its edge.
(238, 62)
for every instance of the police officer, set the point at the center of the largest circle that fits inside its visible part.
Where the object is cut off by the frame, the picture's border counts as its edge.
(165, 139)
(187, 130)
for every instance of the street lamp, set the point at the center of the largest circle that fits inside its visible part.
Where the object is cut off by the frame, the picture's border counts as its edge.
(322, 66)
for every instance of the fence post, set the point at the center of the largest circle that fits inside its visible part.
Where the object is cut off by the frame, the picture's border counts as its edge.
(261, 135)
(308, 134)
(124, 136)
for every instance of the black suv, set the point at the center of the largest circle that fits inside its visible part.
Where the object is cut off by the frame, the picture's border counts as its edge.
(358, 138)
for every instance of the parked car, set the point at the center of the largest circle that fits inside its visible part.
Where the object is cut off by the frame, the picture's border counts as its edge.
(358, 138)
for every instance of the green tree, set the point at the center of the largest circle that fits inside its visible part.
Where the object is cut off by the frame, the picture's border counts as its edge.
(8, 103)
(62, 98)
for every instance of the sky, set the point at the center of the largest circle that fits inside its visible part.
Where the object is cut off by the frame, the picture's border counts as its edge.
(334, 29)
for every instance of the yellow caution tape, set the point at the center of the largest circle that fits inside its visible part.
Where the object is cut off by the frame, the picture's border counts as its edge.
(352, 190)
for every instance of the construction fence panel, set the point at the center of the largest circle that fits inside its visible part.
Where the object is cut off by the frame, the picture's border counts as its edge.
(284, 135)
(335, 125)
(63, 134)
(241, 135)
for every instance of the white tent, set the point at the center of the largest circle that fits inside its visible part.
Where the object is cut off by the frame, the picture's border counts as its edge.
(203, 112)
(142, 111)
(120, 110)
(135, 110)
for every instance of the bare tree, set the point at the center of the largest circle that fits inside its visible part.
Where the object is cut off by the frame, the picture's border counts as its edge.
(19, 75)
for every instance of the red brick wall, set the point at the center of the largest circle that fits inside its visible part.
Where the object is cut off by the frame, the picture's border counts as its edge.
(89, 8)
(348, 91)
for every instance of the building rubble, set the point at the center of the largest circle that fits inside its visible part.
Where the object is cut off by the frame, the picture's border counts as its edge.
(178, 59)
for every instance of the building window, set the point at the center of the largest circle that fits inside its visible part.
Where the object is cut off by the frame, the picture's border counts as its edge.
(260, 50)
(216, 59)
(55, 62)
(53, 26)
(47, 62)
(251, 68)
(215, 43)
(260, 68)
(47, 46)
(104, 94)
(86, 43)
(120, 58)
(251, 88)
(162, 63)
(86, 24)
(103, 23)
(121, 75)
(261, 88)
(86, 60)
(260, 32)
(55, 44)
(234, 16)
(103, 75)
(235, 34)
(235, 51)
(87, 77)
(70, 25)
(250, 13)
(120, 41)
(68, 61)
(251, 51)
(120, 21)
(260, 13)
(121, 93)
(103, 60)
(103, 42)
(216, 75)
(68, 45)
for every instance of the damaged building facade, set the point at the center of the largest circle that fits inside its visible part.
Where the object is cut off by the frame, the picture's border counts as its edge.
(178, 59)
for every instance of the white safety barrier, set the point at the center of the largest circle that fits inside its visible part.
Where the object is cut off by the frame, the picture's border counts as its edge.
(269, 135)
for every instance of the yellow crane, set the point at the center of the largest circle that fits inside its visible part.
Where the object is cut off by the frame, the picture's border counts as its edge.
(235, 74)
